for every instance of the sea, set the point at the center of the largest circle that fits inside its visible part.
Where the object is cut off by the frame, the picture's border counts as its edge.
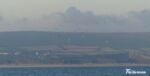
(75, 71)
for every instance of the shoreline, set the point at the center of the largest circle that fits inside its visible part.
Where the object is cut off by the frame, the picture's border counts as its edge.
(69, 65)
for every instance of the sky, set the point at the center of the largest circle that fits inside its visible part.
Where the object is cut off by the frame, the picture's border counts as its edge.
(32, 8)
(75, 15)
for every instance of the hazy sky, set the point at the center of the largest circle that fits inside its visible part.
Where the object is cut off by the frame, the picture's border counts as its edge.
(75, 15)
(41, 7)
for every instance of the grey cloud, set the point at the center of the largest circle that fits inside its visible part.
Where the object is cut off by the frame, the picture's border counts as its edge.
(1, 18)
(75, 16)
(88, 21)
(74, 20)
(143, 17)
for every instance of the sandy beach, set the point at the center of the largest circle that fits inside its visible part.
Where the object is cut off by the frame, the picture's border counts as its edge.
(71, 65)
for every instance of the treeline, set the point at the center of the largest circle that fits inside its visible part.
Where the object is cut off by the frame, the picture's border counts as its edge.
(113, 40)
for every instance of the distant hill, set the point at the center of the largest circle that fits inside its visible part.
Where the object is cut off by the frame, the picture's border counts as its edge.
(73, 48)
(114, 40)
